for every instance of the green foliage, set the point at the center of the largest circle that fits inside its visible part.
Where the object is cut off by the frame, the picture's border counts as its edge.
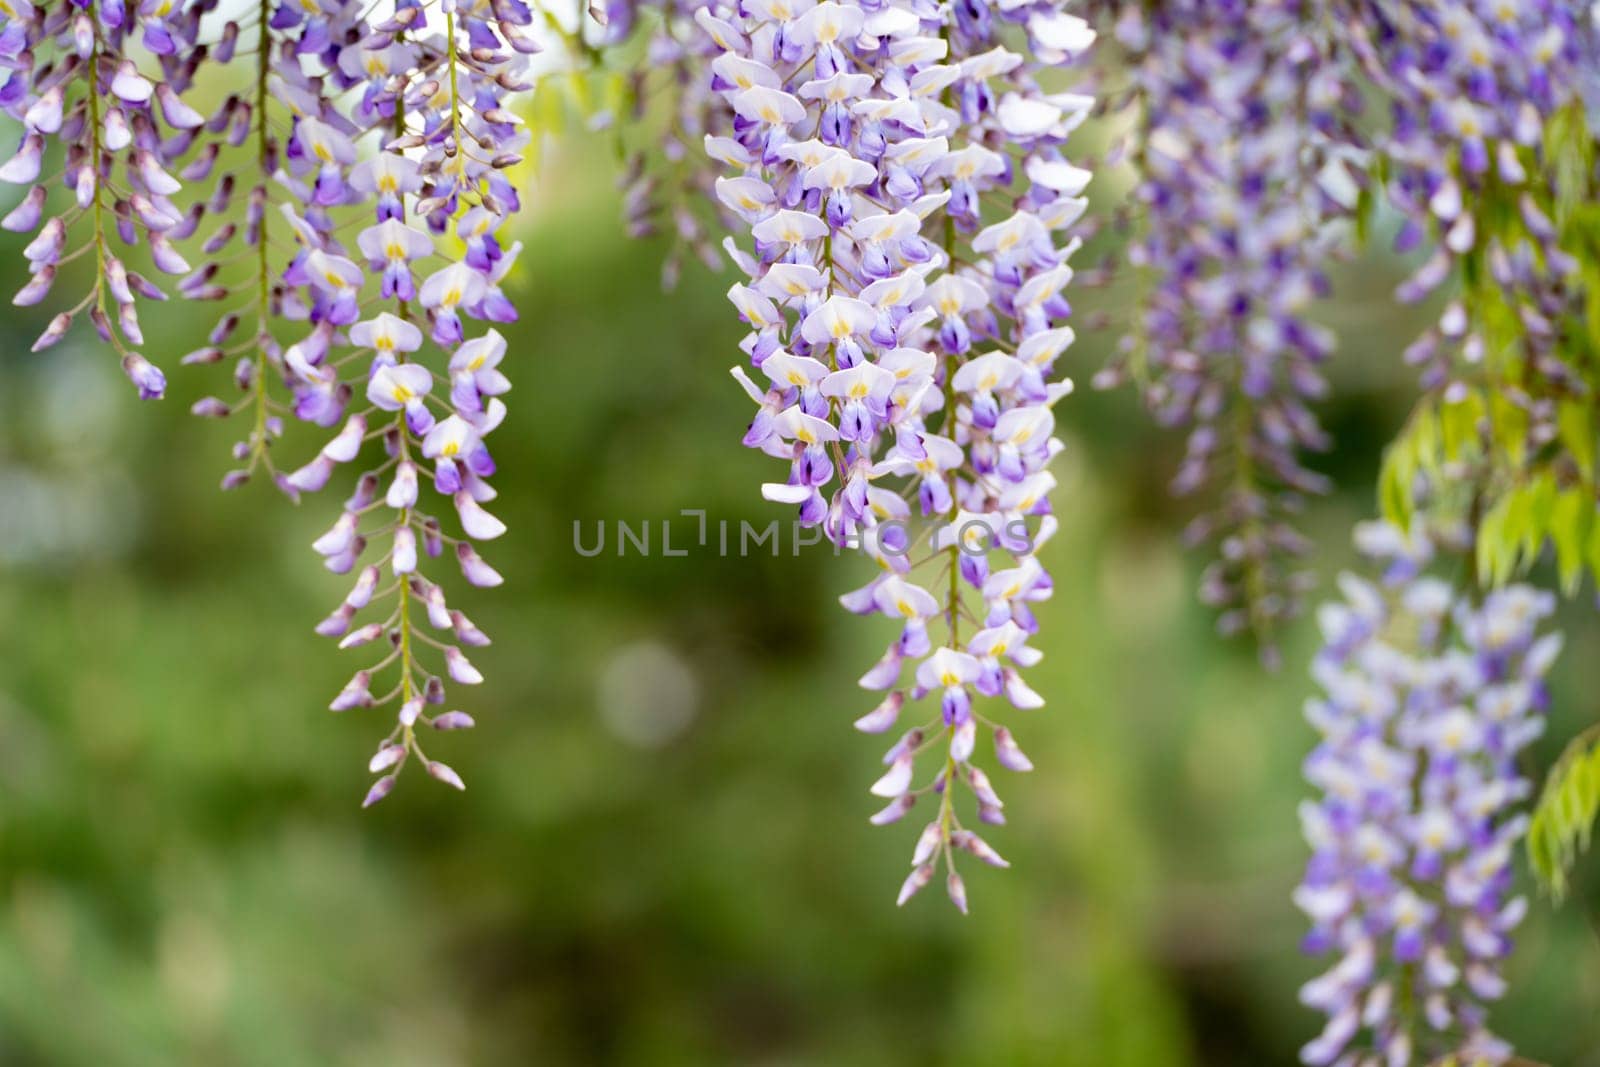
(1519, 514)
(1571, 151)
(1437, 436)
(1564, 819)
(1525, 490)
(1524, 494)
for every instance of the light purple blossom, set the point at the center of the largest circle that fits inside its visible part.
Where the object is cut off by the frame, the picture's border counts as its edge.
(401, 131)
(900, 341)
(1247, 161)
(1428, 697)
(121, 129)
(1473, 90)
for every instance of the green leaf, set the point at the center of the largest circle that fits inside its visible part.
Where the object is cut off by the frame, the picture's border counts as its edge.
(1414, 450)
(1564, 820)
(1366, 209)
(1458, 425)
(1571, 520)
(1498, 539)
(1509, 426)
(1576, 429)
(1571, 154)
(1394, 487)
(1541, 494)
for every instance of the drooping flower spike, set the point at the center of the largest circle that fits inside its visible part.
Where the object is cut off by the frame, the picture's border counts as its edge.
(1247, 160)
(437, 180)
(114, 126)
(903, 347)
(1487, 104)
(287, 118)
(1429, 695)
(394, 148)
(668, 182)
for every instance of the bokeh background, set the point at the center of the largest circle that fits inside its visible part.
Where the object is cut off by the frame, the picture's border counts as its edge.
(663, 855)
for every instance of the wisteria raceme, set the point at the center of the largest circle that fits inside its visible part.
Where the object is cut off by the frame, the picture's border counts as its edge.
(369, 144)
(285, 89)
(446, 142)
(1248, 161)
(74, 85)
(400, 138)
(1472, 90)
(1428, 697)
(907, 348)
(669, 184)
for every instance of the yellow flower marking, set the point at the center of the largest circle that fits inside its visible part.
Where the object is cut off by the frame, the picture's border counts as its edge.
(1453, 737)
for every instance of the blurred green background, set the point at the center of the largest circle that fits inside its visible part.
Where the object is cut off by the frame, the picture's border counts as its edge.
(663, 855)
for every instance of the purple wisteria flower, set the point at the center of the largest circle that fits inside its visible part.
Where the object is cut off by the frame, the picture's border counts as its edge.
(445, 141)
(120, 125)
(1473, 90)
(399, 143)
(903, 341)
(1428, 697)
(666, 184)
(1247, 165)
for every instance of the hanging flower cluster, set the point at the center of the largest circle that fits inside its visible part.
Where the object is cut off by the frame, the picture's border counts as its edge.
(435, 103)
(120, 130)
(667, 182)
(1473, 89)
(1429, 697)
(378, 155)
(1246, 152)
(901, 206)
(906, 350)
